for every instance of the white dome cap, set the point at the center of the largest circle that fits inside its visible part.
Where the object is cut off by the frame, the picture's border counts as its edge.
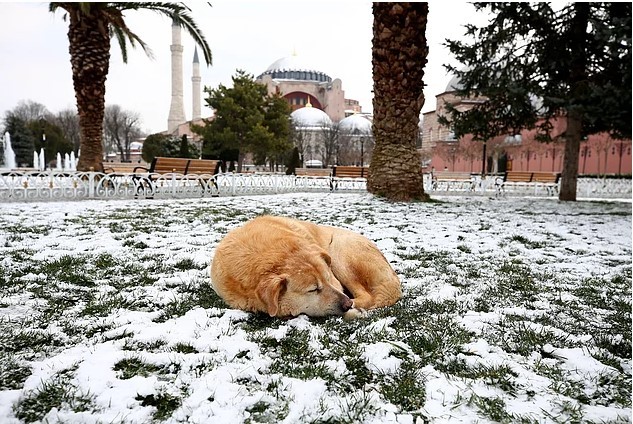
(295, 68)
(291, 63)
(355, 124)
(310, 117)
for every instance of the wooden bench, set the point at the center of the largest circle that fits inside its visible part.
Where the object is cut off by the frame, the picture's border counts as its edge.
(313, 172)
(350, 171)
(460, 180)
(119, 167)
(183, 166)
(177, 168)
(547, 180)
(203, 167)
(352, 177)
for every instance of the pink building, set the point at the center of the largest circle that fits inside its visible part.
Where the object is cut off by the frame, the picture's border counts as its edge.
(599, 154)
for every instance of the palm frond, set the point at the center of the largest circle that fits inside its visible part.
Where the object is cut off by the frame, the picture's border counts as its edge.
(180, 13)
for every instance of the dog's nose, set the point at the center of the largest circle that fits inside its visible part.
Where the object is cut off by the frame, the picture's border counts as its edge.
(347, 304)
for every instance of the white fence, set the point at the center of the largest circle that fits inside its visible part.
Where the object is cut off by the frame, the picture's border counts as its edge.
(58, 185)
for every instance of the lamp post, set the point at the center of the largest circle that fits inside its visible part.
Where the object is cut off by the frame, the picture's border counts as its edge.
(483, 160)
(362, 150)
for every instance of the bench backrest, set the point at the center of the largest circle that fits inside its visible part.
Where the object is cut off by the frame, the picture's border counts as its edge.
(448, 175)
(314, 172)
(350, 171)
(203, 166)
(161, 165)
(518, 176)
(545, 177)
(528, 177)
(119, 167)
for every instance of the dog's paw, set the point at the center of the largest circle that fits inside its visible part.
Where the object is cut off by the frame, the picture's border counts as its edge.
(354, 313)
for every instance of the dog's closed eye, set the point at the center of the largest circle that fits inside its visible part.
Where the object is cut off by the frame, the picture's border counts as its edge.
(315, 289)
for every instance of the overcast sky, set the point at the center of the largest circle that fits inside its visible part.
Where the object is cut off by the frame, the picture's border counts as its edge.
(249, 35)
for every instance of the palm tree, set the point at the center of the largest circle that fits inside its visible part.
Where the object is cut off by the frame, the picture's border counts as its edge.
(399, 53)
(91, 27)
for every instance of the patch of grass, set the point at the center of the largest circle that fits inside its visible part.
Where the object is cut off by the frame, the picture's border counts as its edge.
(164, 403)
(184, 348)
(530, 244)
(501, 376)
(491, 407)
(291, 352)
(103, 305)
(29, 340)
(135, 345)
(197, 294)
(54, 393)
(133, 366)
(12, 372)
(187, 264)
(406, 388)
(524, 338)
(135, 244)
(35, 405)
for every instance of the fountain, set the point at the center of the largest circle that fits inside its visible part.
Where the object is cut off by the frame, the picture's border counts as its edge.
(42, 160)
(58, 162)
(73, 162)
(9, 154)
(67, 165)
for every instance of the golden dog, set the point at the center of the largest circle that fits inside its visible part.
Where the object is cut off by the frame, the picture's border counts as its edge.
(286, 267)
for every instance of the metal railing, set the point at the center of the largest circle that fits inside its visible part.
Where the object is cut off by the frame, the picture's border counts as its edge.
(63, 185)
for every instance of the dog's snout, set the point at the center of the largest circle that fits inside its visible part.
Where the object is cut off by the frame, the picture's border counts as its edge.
(347, 304)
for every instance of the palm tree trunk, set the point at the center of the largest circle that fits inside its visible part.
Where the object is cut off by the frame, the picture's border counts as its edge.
(90, 59)
(399, 53)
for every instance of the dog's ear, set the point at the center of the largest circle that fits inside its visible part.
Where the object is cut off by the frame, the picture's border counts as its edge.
(269, 290)
(326, 257)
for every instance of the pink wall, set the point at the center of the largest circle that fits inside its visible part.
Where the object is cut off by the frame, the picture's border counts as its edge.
(599, 154)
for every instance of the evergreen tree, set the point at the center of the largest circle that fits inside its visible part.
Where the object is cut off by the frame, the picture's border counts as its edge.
(277, 121)
(247, 120)
(184, 147)
(293, 162)
(168, 146)
(50, 137)
(534, 63)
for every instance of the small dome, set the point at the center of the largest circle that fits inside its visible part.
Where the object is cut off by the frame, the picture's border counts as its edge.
(309, 117)
(355, 124)
(454, 84)
(295, 68)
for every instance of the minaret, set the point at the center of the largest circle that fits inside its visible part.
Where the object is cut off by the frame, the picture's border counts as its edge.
(195, 86)
(176, 110)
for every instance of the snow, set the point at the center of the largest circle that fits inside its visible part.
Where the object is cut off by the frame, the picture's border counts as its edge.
(582, 238)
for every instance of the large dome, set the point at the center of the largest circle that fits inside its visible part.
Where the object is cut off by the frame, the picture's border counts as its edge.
(355, 124)
(295, 68)
(310, 118)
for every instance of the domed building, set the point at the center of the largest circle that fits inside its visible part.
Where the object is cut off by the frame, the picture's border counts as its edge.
(356, 141)
(300, 83)
(310, 118)
(355, 124)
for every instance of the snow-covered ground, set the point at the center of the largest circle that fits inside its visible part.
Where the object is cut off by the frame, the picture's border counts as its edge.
(514, 310)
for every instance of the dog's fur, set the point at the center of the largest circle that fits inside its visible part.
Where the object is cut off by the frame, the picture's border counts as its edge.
(286, 267)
